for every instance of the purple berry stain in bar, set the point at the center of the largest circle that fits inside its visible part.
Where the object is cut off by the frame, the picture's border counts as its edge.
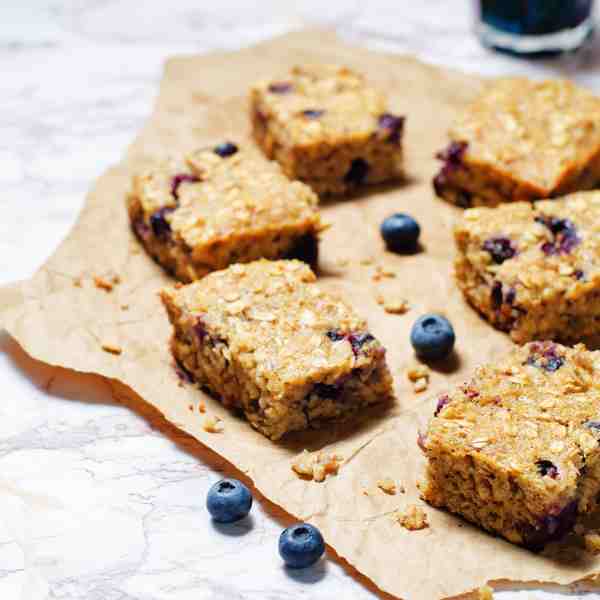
(158, 222)
(178, 180)
(359, 168)
(564, 234)
(500, 249)
(312, 113)
(442, 401)
(281, 87)
(452, 158)
(547, 468)
(392, 125)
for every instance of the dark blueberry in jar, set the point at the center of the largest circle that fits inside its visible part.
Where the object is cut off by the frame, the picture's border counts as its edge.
(400, 232)
(432, 337)
(160, 226)
(282, 87)
(228, 500)
(358, 340)
(500, 249)
(335, 335)
(225, 149)
(301, 546)
(547, 468)
(359, 168)
(178, 180)
(392, 126)
(312, 113)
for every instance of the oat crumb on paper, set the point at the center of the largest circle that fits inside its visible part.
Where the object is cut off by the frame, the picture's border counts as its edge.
(388, 486)
(342, 262)
(413, 518)
(485, 592)
(419, 375)
(112, 348)
(395, 306)
(212, 424)
(201, 407)
(77, 282)
(366, 262)
(316, 466)
(383, 273)
(106, 283)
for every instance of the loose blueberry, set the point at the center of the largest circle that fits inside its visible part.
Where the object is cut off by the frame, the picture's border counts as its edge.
(226, 149)
(312, 113)
(282, 87)
(500, 249)
(357, 172)
(392, 126)
(432, 337)
(301, 546)
(228, 500)
(547, 468)
(178, 180)
(158, 222)
(400, 232)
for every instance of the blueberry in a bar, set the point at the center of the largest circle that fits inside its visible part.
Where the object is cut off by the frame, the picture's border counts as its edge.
(221, 205)
(266, 340)
(327, 127)
(515, 449)
(533, 270)
(521, 140)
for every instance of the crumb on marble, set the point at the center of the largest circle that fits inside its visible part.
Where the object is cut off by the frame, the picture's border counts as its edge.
(388, 486)
(412, 518)
(212, 424)
(112, 348)
(485, 592)
(316, 466)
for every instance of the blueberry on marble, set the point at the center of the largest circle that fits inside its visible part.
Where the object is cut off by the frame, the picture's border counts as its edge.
(228, 500)
(226, 149)
(357, 173)
(400, 232)
(432, 337)
(301, 546)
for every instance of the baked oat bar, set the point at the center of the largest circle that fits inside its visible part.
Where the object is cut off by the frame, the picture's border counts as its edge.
(328, 128)
(516, 448)
(522, 140)
(534, 270)
(265, 339)
(219, 206)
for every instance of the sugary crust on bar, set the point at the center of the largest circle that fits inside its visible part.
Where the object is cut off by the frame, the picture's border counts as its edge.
(515, 449)
(327, 127)
(534, 270)
(523, 140)
(205, 211)
(266, 339)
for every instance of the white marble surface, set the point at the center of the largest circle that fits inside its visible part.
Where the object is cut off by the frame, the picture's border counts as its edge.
(95, 503)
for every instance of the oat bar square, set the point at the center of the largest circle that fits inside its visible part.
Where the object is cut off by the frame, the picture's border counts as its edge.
(219, 206)
(516, 450)
(522, 140)
(534, 270)
(266, 339)
(328, 128)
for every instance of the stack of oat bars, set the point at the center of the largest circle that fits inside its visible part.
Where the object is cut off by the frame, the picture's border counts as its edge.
(515, 449)
(252, 326)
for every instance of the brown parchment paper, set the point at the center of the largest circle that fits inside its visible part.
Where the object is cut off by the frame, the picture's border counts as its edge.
(202, 100)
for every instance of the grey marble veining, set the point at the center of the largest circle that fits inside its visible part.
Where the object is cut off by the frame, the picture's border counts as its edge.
(96, 502)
